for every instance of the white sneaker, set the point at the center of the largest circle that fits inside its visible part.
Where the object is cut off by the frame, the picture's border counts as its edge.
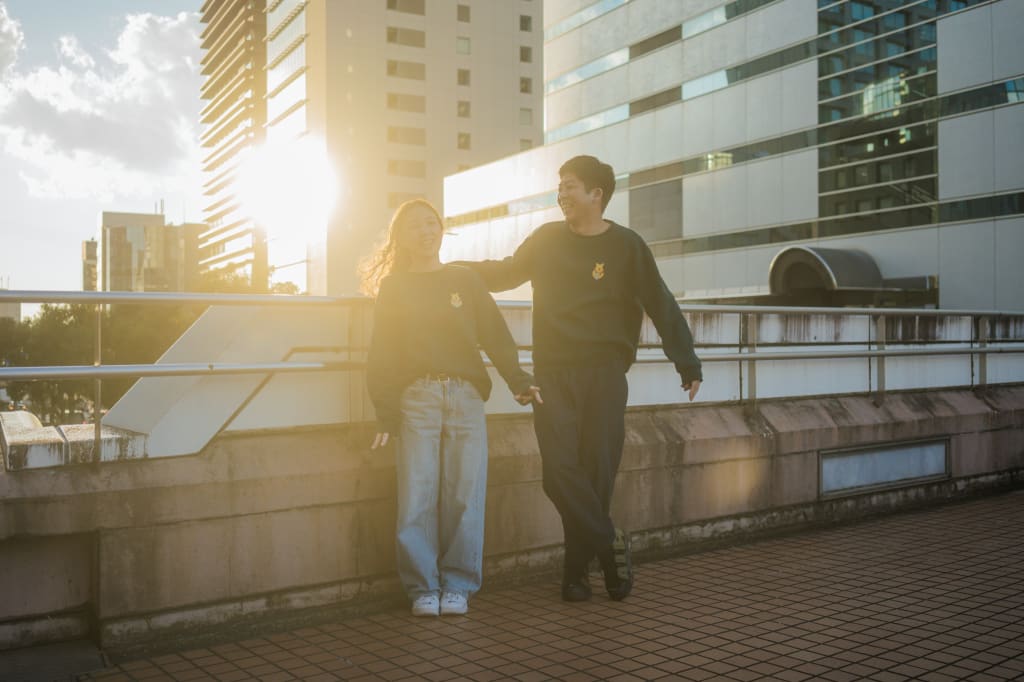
(453, 604)
(426, 605)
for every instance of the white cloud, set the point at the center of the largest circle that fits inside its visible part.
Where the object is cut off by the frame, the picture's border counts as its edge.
(11, 40)
(70, 48)
(123, 124)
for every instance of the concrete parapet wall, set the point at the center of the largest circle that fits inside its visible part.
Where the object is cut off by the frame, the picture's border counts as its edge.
(268, 524)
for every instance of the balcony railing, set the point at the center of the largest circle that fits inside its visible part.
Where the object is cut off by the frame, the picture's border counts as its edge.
(756, 334)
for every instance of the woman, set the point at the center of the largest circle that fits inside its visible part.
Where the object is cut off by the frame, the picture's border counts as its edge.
(428, 385)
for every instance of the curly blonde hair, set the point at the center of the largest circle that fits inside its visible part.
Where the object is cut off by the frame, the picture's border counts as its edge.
(389, 256)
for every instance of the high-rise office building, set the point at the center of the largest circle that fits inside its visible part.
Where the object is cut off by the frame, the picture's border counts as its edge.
(139, 252)
(90, 260)
(371, 103)
(233, 118)
(859, 151)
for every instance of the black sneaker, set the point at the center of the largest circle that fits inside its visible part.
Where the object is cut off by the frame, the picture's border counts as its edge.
(576, 590)
(617, 565)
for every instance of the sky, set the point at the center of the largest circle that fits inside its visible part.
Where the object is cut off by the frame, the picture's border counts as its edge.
(99, 111)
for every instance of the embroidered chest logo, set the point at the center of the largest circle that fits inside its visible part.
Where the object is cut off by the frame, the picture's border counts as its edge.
(456, 300)
(598, 272)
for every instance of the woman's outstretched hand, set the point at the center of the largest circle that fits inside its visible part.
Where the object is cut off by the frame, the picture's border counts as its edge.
(380, 440)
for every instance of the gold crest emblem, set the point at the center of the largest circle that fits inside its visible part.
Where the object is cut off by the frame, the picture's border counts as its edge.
(456, 300)
(598, 272)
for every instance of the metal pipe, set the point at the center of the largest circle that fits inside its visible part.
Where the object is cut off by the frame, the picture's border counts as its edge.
(983, 344)
(15, 296)
(214, 369)
(880, 337)
(97, 397)
(109, 297)
(168, 370)
(751, 329)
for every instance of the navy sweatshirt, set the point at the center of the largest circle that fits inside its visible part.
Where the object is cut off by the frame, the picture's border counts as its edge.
(435, 323)
(589, 296)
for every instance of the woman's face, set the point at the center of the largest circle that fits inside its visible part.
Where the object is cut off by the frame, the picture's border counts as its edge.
(420, 232)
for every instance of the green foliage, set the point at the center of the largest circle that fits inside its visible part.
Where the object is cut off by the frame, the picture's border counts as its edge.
(131, 334)
(224, 282)
(66, 335)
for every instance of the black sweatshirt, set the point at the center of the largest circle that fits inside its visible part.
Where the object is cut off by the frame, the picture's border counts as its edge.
(435, 323)
(589, 296)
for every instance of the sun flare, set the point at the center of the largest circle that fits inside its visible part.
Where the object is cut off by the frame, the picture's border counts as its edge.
(289, 189)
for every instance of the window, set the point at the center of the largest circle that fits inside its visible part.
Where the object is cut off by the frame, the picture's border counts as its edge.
(406, 36)
(525, 85)
(413, 70)
(462, 108)
(462, 78)
(525, 22)
(462, 45)
(668, 37)
(407, 168)
(526, 116)
(525, 143)
(408, 6)
(525, 54)
(462, 12)
(464, 141)
(415, 103)
(654, 101)
(403, 135)
(656, 211)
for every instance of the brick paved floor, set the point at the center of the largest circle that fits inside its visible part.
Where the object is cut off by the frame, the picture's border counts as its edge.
(936, 595)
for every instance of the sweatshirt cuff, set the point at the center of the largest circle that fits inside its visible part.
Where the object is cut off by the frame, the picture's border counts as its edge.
(522, 384)
(690, 373)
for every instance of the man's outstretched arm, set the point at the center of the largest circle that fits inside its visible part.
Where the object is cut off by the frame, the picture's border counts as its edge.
(508, 273)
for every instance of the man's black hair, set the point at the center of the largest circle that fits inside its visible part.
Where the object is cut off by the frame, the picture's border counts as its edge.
(593, 174)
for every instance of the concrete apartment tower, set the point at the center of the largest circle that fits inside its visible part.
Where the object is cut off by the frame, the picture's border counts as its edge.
(866, 151)
(384, 98)
(233, 119)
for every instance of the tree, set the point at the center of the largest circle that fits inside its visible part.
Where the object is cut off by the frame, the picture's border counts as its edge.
(59, 335)
(14, 338)
(132, 333)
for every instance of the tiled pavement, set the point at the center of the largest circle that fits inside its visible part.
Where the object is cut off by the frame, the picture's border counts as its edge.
(936, 594)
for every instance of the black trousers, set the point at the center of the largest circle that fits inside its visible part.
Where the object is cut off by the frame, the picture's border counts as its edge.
(580, 429)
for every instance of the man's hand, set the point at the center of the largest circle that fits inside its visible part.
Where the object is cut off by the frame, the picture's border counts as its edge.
(692, 387)
(380, 440)
(532, 395)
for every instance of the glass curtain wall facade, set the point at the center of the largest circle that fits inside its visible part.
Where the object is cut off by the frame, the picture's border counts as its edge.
(757, 124)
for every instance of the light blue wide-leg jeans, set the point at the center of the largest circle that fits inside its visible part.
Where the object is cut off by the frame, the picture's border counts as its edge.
(442, 481)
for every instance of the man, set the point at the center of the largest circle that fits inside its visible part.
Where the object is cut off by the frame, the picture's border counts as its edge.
(592, 281)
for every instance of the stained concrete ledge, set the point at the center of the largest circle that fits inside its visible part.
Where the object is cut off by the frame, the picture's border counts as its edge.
(269, 524)
(27, 444)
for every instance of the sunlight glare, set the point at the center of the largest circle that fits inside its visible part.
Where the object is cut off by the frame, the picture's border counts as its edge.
(290, 189)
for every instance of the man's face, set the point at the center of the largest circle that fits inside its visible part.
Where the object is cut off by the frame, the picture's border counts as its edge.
(575, 201)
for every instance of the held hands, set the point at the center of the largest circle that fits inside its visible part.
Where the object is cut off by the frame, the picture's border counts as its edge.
(692, 387)
(532, 395)
(380, 440)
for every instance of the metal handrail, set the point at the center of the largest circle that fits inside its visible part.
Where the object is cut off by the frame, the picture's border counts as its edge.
(113, 297)
(980, 343)
(166, 370)
(221, 369)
